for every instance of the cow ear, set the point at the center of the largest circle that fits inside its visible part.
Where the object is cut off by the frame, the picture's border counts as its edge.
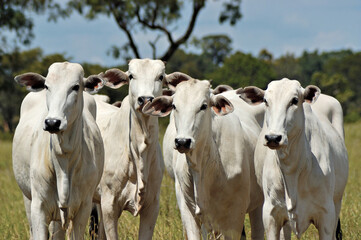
(93, 83)
(167, 92)
(115, 78)
(159, 107)
(221, 105)
(34, 82)
(173, 79)
(311, 94)
(117, 104)
(221, 88)
(251, 95)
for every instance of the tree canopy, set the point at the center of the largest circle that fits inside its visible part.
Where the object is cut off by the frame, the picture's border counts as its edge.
(336, 73)
(158, 16)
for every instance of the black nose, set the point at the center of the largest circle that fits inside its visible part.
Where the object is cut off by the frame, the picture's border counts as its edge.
(273, 138)
(52, 125)
(182, 143)
(144, 100)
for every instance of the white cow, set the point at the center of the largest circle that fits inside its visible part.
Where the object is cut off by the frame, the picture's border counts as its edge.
(214, 172)
(301, 161)
(133, 167)
(170, 133)
(57, 149)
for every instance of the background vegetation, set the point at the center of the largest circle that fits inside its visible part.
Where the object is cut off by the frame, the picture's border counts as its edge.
(336, 73)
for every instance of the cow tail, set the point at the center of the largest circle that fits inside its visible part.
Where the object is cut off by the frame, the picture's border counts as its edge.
(94, 223)
(243, 234)
(338, 230)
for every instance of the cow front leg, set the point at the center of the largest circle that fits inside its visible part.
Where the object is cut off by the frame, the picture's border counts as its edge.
(81, 220)
(327, 225)
(286, 232)
(191, 224)
(110, 214)
(257, 229)
(27, 204)
(271, 220)
(148, 218)
(40, 219)
(56, 231)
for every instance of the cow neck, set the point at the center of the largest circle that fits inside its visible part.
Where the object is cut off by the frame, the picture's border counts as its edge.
(294, 161)
(65, 150)
(143, 133)
(204, 162)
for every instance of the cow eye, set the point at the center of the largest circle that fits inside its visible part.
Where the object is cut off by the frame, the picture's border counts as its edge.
(130, 77)
(294, 101)
(161, 78)
(75, 88)
(265, 102)
(173, 106)
(204, 106)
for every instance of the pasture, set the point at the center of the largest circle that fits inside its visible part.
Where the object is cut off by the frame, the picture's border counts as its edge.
(14, 225)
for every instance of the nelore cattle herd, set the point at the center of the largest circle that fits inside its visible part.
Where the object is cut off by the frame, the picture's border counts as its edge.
(277, 154)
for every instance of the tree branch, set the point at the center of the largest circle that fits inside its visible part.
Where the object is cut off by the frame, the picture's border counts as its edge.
(153, 25)
(122, 24)
(197, 6)
(152, 45)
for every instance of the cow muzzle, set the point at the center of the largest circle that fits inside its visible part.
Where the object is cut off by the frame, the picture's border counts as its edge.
(183, 145)
(144, 100)
(52, 125)
(273, 141)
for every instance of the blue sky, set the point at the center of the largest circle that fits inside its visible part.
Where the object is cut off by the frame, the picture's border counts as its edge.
(280, 26)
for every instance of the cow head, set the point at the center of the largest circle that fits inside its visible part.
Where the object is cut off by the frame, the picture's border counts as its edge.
(192, 105)
(64, 98)
(146, 78)
(284, 116)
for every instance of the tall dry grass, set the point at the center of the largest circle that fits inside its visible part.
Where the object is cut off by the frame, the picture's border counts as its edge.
(13, 222)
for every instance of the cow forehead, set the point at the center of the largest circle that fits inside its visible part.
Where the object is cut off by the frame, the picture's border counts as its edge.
(192, 92)
(65, 73)
(146, 66)
(283, 88)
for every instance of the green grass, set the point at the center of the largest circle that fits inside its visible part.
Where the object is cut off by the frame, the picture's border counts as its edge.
(13, 222)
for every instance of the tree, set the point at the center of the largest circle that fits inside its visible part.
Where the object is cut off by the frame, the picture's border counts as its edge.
(265, 55)
(14, 18)
(240, 70)
(215, 47)
(287, 66)
(196, 66)
(314, 62)
(156, 16)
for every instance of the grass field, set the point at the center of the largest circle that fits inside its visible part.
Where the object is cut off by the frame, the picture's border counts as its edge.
(13, 223)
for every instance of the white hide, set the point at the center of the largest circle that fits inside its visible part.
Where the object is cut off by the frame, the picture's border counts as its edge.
(58, 172)
(101, 97)
(214, 178)
(305, 173)
(169, 154)
(133, 168)
(330, 107)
